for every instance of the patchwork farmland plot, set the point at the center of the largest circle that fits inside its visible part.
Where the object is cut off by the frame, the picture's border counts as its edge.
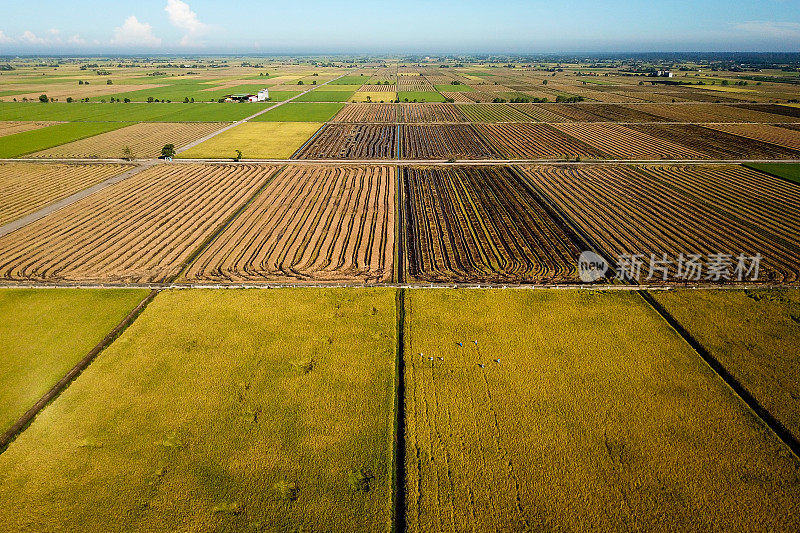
(44, 333)
(493, 113)
(482, 224)
(692, 112)
(459, 141)
(622, 427)
(716, 144)
(458, 96)
(145, 140)
(622, 142)
(220, 411)
(367, 113)
(25, 188)
(378, 96)
(766, 133)
(430, 113)
(542, 113)
(256, 140)
(26, 142)
(139, 230)
(310, 224)
(301, 112)
(681, 210)
(535, 141)
(351, 141)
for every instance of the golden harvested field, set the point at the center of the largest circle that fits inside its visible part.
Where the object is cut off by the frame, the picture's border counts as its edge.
(25, 187)
(144, 139)
(374, 96)
(588, 413)
(311, 224)
(63, 91)
(237, 411)
(367, 113)
(140, 230)
(622, 142)
(763, 132)
(754, 335)
(536, 141)
(256, 140)
(11, 127)
(675, 209)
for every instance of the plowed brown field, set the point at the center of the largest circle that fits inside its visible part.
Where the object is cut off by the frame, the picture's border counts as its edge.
(317, 224)
(351, 141)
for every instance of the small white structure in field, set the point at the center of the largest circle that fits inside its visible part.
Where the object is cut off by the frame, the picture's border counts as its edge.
(263, 95)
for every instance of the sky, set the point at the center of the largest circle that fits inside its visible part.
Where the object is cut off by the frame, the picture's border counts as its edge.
(410, 26)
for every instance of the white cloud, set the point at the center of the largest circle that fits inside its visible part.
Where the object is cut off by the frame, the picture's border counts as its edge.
(5, 39)
(135, 33)
(31, 38)
(76, 39)
(769, 29)
(181, 16)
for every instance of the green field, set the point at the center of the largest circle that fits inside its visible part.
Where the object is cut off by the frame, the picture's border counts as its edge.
(350, 80)
(256, 140)
(321, 95)
(220, 411)
(454, 88)
(420, 96)
(45, 332)
(282, 96)
(598, 416)
(301, 112)
(789, 171)
(132, 112)
(31, 141)
(755, 335)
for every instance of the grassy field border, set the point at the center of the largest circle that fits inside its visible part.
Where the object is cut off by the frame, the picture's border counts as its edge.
(25, 420)
(756, 167)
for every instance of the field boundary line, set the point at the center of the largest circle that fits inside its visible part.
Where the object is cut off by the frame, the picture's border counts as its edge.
(223, 226)
(30, 218)
(399, 440)
(254, 115)
(62, 384)
(719, 369)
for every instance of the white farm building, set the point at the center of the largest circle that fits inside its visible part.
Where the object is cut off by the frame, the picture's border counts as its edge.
(261, 96)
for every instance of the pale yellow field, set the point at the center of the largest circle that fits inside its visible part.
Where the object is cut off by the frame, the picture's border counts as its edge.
(374, 96)
(726, 89)
(256, 140)
(145, 140)
(10, 128)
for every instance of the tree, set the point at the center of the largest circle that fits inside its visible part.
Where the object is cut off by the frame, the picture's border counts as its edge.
(544, 82)
(238, 155)
(186, 100)
(168, 150)
(127, 100)
(109, 82)
(150, 100)
(44, 99)
(127, 153)
(369, 98)
(69, 99)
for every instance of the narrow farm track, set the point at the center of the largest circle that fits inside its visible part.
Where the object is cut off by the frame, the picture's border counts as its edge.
(310, 224)
(139, 230)
(626, 210)
(479, 225)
